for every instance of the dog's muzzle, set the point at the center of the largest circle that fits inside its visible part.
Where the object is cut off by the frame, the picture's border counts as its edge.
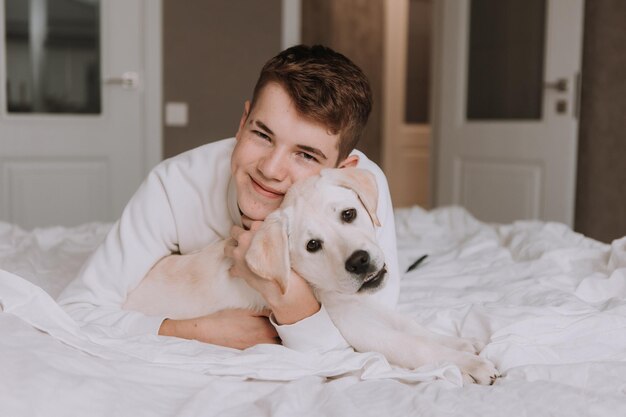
(373, 281)
(359, 264)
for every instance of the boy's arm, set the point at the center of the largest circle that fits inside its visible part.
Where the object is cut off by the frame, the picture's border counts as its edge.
(386, 238)
(235, 328)
(144, 234)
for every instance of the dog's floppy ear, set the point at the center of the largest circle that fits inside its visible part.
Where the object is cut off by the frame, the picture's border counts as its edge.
(268, 254)
(362, 182)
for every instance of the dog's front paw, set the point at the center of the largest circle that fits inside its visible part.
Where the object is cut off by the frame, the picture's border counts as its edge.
(477, 370)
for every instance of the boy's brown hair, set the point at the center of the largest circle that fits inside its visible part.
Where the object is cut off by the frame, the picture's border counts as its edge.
(325, 87)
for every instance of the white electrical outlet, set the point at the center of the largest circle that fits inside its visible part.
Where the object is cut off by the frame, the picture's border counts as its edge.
(176, 114)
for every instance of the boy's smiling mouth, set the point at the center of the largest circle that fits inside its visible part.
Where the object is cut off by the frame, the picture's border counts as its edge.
(265, 190)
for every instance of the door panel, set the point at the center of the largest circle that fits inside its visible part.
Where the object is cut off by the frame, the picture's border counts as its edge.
(31, 185)
(518, 187)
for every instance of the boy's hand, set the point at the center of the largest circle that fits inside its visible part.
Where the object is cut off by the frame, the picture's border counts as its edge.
(296, 304)
(235, 328)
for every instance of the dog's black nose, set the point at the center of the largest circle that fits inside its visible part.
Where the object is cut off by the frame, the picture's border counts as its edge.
(358, 262)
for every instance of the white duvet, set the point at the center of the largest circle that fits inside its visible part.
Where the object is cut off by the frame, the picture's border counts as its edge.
(550, 305)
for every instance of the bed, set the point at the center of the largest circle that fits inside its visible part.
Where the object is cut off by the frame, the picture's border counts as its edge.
(549, 304)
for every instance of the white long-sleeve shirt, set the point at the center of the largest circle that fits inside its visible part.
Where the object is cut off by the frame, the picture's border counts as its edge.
(186, 203)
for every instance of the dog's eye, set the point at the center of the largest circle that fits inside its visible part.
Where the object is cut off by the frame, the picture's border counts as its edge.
(313, 245)
(348, 215)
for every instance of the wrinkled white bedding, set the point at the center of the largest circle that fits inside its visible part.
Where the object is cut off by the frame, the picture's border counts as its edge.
(550, 305)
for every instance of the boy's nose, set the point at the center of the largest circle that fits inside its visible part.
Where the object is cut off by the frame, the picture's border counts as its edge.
(273, 166)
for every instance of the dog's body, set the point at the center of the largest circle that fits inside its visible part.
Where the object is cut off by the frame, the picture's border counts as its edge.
(325, 231)
(193, 285)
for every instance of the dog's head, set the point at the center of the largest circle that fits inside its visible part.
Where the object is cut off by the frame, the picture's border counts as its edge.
(325, 231)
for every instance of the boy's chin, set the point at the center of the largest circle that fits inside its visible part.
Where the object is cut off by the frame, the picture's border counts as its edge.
(254, 216)
(246, 222)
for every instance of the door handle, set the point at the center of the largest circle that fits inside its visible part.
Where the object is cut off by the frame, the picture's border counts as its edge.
(129, 80)
(559, 85)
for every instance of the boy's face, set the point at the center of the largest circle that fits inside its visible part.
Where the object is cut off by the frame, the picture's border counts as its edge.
(275, 148)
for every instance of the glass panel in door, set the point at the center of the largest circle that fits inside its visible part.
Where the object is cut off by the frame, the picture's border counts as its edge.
(52, 56)
(506, 59)
(418, 62)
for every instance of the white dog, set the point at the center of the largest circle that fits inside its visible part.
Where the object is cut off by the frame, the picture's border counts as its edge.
(325, 231)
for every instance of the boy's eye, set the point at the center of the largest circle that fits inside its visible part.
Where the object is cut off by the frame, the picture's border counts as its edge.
(261, 135)
(308, 157)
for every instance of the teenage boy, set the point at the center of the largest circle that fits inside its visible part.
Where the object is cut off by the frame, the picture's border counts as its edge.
(307, 112)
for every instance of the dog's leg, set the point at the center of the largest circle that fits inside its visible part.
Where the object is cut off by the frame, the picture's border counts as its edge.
(406, 324)
(368, 327)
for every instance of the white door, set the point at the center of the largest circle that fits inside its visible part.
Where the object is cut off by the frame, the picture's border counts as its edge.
(74, 119)
(506, 98)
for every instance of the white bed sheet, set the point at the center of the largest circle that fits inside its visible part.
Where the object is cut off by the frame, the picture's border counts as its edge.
(550, 305)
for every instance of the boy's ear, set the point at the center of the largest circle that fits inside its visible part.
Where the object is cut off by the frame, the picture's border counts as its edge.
(244, 116)
(268, 254)
(350, 162)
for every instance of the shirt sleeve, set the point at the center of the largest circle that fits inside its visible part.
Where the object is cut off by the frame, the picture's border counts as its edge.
(385, 235)
(145, 233)
(315, 333)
